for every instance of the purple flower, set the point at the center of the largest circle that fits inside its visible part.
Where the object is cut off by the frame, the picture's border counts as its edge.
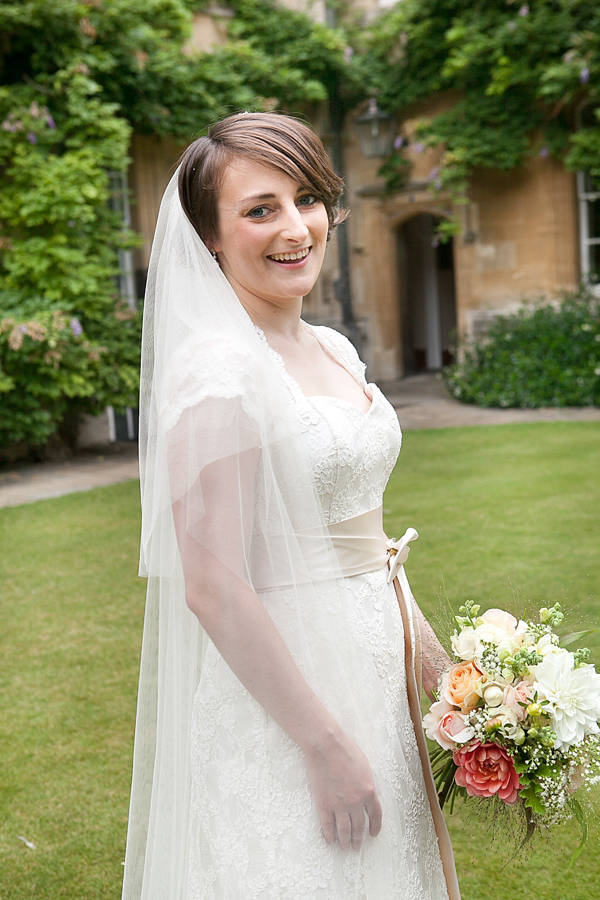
(31, 137)
(544, 152)
(23, 329)
(584, 75)
(418, 147)
(524, 11)
(50, 121)
(76, 326)
(434, 173)
(398, 142)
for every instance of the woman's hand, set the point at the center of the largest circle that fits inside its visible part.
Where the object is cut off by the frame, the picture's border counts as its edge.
(342, 784)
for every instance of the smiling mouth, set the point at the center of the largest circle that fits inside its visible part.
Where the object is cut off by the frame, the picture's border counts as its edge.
(290, 257)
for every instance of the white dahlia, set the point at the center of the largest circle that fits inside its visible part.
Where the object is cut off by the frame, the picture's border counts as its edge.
(573, 697)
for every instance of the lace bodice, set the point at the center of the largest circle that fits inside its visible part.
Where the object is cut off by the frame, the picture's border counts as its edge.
(351, 453)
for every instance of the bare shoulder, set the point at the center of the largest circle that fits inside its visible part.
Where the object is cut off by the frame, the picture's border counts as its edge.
(341, 349)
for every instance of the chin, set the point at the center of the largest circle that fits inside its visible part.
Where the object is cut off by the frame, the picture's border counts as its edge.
(293, 288)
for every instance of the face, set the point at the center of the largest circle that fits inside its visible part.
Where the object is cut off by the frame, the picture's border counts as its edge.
(272, 234)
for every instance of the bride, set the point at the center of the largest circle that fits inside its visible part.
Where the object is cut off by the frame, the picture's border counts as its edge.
(275, 752)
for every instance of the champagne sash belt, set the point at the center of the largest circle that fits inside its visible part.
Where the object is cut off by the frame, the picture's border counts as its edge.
(360, 543)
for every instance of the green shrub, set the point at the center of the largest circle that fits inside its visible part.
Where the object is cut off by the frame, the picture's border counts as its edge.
(55, 366)
(544, 355)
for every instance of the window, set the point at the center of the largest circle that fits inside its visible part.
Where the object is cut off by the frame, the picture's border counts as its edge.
(119, 203)
(588, 193)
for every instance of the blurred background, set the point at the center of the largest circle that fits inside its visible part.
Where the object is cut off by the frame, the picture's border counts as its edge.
(467, 275)
(468, 140)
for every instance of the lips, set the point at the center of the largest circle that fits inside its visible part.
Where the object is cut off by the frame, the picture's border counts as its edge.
(292, 257)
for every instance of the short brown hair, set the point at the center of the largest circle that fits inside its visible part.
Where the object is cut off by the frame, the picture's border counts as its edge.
(272, 139)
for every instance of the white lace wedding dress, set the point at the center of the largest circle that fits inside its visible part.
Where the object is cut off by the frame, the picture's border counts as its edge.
(255, 832)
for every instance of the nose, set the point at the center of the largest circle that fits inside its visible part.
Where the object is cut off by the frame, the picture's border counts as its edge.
(294, 227)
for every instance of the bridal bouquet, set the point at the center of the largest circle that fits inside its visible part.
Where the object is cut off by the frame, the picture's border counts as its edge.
(517, 716)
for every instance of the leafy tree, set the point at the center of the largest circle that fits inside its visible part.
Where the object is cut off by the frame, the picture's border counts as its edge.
(516, 71)
(76, 78)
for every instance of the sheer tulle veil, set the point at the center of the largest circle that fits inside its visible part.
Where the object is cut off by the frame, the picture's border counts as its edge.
(221, 444)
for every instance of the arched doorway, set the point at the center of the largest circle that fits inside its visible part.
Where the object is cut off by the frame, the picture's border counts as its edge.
(427, 295)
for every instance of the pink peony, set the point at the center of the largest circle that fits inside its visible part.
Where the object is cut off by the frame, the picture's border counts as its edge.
(486, 770)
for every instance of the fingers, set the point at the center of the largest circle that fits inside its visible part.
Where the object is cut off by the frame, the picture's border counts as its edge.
(374, 813)
(350, 828)
(358, 828)
(343, 825)
(327, 825)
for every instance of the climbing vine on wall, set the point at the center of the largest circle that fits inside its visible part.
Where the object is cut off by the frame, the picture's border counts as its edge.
(517, 72)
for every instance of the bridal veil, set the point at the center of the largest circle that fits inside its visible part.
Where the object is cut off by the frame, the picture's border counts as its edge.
(227, 495)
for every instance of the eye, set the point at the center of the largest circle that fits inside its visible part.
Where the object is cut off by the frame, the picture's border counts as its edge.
(307, 200)
(259, 212)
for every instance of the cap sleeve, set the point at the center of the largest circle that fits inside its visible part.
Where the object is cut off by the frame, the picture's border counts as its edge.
(201, 370)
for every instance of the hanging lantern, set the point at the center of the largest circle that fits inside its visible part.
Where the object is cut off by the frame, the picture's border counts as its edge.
(375, 131)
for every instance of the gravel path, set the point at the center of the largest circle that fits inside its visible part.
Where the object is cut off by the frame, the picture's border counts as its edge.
(28, 482)
(421, 402)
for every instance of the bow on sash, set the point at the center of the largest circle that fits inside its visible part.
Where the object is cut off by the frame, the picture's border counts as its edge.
(398, 552)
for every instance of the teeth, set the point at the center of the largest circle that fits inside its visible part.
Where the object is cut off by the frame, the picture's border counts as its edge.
(281, 257)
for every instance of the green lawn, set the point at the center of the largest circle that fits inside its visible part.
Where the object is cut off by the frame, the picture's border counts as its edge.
(508, 516)
(71, 624)
(501, 511)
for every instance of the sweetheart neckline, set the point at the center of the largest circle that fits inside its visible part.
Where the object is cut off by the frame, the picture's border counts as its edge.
(296, 386)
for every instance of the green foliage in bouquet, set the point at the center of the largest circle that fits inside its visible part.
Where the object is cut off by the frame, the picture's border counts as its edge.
(544, 355)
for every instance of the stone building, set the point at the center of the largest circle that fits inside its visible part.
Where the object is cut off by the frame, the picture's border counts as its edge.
(523, 234)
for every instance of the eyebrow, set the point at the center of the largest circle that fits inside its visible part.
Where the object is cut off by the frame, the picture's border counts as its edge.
(254, 197)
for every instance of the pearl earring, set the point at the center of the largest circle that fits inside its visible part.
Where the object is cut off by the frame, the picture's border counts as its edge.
(213, 253)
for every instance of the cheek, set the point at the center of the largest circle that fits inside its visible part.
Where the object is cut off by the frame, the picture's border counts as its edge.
(321, 230)
(323, 222)
(244, 246)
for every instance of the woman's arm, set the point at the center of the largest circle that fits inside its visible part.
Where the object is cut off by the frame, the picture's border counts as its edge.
(435, 659)
(238, 624)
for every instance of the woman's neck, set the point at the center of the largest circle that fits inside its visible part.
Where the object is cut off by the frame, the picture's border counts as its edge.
(280, 322)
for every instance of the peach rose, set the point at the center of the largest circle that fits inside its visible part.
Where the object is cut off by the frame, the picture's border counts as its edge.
(460, 685)
(446, 725)
(486, 770)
